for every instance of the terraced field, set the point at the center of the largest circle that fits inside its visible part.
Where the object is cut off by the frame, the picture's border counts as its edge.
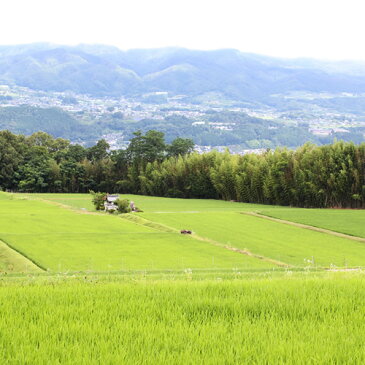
(59, 239)
(153, 204)
(225, 237)
(241, 289)
(288, 244)
(348, 221)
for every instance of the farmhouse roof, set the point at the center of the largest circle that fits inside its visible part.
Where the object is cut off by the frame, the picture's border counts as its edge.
(112, 198)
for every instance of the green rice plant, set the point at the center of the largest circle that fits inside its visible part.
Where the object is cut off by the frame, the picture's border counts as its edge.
(151, 203)
(133, 290)
(13, 261)
(274, 241)
(60, 239)
(127, 251)
(287, 320)
(288, 244)
(77, 201)
(348, 221)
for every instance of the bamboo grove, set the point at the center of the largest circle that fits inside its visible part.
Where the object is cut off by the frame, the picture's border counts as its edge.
(310, 176)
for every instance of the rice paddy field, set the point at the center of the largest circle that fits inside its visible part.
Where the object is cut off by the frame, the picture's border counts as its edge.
(82, 287)
(349, 221)
(262, 321)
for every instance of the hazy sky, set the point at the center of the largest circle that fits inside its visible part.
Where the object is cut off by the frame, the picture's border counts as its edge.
(289, 28)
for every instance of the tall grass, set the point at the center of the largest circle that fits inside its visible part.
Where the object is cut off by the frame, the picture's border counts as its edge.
(298, 320)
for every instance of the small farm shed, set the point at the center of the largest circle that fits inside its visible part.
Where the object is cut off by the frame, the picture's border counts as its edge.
(109, 203)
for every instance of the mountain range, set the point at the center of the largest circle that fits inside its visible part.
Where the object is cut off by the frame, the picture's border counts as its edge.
(105, 70)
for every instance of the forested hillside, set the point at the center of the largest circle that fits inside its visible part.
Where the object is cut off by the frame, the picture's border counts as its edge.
(104, 70)
(27, 120)
(311, 176)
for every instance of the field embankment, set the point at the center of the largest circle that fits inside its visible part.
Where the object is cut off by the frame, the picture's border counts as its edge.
(12, 261)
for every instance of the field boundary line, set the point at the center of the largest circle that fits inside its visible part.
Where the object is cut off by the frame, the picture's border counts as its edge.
(306, 226)
(241, 251)
(64, 206)
(11, 247)
(148, 223)
(68, 207)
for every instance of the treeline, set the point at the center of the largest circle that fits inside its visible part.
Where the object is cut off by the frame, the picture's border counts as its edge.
(41, 163)
(310, 176)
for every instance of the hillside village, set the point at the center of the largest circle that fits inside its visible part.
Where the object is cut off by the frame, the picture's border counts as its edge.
(159, 105)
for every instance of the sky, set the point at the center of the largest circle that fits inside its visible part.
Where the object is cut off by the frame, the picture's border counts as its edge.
(284, 28)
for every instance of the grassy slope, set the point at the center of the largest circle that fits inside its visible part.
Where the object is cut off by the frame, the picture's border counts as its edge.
(154, 204)
(78, 201)
(272, 321)
(215, 220)
(281, 242)
(347, 221)
(12, 261)
(278, 317)
(60, 239)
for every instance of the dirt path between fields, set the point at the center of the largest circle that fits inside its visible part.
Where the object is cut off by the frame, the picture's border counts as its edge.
(305, 226)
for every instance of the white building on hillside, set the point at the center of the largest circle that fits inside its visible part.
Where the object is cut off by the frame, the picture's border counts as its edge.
(109, 203)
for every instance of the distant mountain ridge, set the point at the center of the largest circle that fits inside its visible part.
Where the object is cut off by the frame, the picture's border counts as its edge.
(104, 70)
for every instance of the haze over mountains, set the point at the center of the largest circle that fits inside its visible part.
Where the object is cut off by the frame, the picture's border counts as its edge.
(217, 98)
(104, 70)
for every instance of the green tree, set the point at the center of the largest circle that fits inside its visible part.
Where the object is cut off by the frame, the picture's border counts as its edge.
(146, 148)
(12, 149)
(99, 151)
(123, 205)
(180, 147)
(98, 199)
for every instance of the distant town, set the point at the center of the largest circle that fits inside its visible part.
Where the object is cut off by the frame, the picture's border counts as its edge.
(159, 105)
